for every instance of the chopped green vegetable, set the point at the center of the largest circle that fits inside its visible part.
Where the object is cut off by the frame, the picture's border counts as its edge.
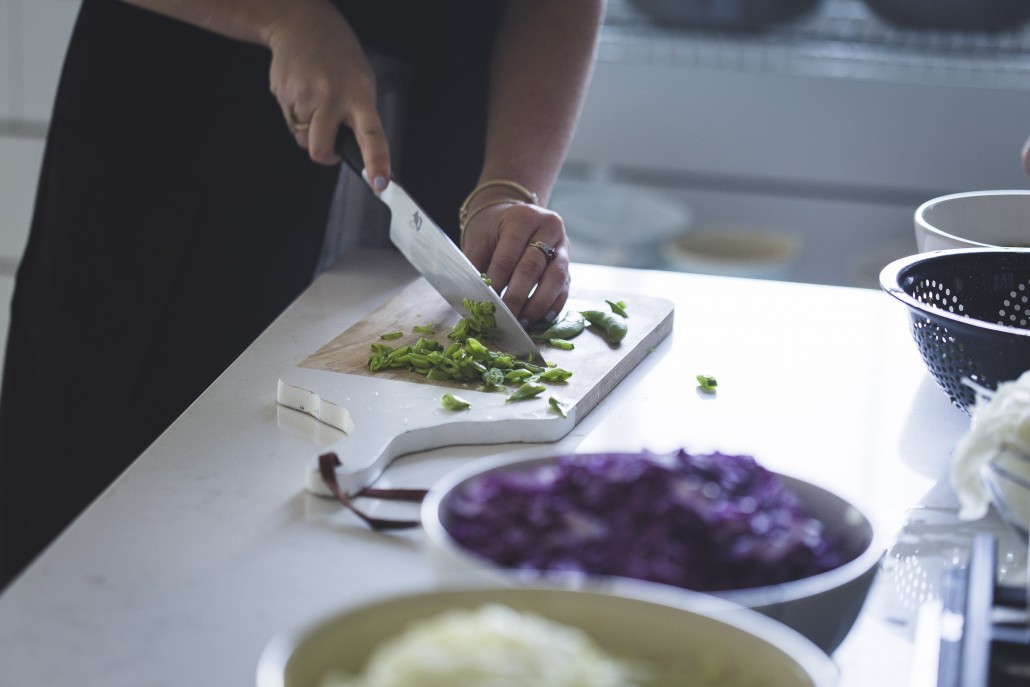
(452, 402)
(555, 374)
(526, 391)
(707, 383)
(389, 336)
(561, 343)
(568, 327)
(557, 406)
(618, 307)
(614, 327)
(424, 329)
(494, 377)
(519, 375)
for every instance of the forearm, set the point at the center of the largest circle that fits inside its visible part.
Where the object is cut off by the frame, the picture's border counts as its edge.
(540, 72)
(252, 21)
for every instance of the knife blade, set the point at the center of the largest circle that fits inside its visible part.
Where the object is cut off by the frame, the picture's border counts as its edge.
(428, 248)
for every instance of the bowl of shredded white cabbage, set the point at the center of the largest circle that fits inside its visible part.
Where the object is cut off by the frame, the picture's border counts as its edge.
(544, 637)
(991, 462)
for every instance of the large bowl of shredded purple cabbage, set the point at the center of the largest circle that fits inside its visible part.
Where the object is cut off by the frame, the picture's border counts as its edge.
(715, 523)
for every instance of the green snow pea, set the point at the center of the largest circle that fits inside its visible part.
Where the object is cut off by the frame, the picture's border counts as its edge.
(614, 328)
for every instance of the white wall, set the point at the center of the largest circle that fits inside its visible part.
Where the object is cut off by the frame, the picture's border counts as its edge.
(33, 38)
(834, 141)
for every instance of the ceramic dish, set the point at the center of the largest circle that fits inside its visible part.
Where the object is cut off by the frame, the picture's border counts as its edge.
(976, 219)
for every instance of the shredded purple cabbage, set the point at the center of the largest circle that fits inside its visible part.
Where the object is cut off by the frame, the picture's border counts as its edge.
(704, 522)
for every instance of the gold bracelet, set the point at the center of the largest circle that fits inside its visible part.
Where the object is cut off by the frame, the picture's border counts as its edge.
(526, 194)
(467, 217)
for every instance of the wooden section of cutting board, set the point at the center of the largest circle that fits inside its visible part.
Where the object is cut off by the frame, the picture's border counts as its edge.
(390, 413)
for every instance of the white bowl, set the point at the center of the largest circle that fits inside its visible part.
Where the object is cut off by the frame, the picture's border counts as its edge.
(659, 629)
(974, 220)
(734, 252)
(821, 607)
(618, 224)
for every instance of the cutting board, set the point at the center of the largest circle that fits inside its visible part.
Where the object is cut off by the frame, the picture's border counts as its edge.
(390, 413)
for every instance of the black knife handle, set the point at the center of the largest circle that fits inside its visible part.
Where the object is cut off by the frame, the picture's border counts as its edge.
(347, 147)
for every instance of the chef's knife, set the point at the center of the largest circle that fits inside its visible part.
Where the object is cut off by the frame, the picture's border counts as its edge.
(437, 258)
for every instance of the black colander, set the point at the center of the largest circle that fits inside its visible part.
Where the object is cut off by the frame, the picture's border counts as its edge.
(969, 312)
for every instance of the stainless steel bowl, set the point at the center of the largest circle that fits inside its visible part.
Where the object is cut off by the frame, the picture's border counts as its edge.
(821, 607)
(642, 623)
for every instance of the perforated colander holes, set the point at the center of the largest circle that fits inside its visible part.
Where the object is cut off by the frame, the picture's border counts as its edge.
(946, 359)
(1015, 308)
(939, 295)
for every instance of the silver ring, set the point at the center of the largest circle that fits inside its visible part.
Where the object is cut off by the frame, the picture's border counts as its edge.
(548, 252)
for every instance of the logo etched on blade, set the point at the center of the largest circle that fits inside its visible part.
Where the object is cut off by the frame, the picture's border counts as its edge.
(416, 221)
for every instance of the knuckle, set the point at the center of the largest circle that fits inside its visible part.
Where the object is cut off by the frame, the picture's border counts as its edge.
(529, 271)
(506, 264)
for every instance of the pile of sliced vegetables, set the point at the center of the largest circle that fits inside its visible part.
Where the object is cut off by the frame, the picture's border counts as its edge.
(468, 360)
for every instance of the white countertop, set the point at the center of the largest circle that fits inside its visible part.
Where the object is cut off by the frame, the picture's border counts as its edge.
(207, 546)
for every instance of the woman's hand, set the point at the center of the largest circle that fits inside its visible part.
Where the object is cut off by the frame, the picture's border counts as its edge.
(508, 242)
(322, 79)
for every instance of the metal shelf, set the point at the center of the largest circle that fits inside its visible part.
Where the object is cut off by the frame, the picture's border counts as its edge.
(842, 38)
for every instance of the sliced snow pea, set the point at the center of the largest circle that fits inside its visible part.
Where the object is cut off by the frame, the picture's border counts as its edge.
(568, 327)
(438, 375)
(561, 343)
(557, 406)
(555, 374)
(389, 336)
(452, 402)
(707, 383)
(519, 375)
(526, 391)
(618, 307)
(614, 328)
(494, 377)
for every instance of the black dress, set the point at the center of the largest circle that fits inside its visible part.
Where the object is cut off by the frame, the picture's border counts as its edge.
(175, 219)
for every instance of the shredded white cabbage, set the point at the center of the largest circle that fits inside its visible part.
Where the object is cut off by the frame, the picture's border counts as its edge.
(492, 646)
(999, 430)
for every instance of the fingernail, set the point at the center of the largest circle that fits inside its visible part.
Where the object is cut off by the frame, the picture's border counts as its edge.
(379, 185)
(551, 316)
(524, 323)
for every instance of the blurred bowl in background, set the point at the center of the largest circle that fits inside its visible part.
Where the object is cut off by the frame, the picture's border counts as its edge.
(684, 638)
(822, 607)
(726, 15)
(953, 15)
(619, 224)
(976, 219)
(734, 252)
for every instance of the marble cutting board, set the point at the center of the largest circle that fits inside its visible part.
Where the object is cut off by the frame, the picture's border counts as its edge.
(390, 413)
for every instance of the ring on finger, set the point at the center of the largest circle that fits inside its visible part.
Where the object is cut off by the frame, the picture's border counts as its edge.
(294, 125)
(547, 250)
